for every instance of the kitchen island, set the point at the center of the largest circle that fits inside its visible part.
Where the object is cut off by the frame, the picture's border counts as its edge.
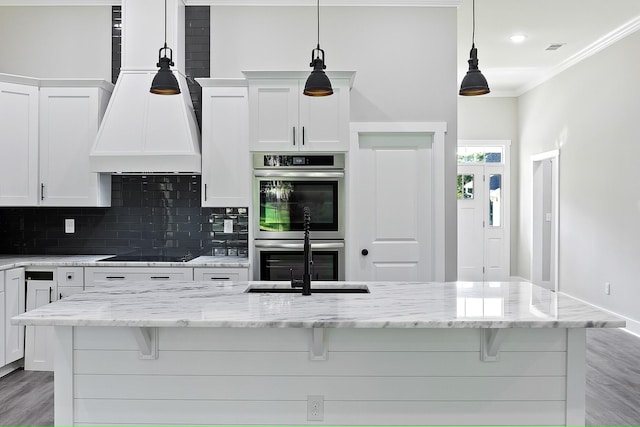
(403, 354)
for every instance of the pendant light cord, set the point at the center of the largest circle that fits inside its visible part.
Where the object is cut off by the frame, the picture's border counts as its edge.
(318, 16)
(473, 31)
(165, 23)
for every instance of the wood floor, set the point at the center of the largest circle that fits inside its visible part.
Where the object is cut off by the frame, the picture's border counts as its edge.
(613, 385)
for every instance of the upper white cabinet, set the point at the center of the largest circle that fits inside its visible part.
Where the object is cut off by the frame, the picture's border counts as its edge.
(69, 121)
(48, 127)
(226, 160)
(282, 118)
(19, 142)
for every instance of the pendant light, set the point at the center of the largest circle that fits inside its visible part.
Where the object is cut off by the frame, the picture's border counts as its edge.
(318, 83)
(164, 82)
(474, 82)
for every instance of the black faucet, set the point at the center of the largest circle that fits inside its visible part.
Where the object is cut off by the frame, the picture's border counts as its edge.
(305, 283)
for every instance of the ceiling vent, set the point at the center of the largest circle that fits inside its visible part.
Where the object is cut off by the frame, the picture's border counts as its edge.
(555, 46)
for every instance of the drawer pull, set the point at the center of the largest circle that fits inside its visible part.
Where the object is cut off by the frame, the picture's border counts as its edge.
(160, 277)
(219, 278)
(115, 277)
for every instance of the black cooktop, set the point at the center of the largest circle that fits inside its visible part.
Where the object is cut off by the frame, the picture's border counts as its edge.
(150, 258)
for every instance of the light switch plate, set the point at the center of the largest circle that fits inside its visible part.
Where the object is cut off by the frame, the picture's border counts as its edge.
(228, 226)
(69, 226)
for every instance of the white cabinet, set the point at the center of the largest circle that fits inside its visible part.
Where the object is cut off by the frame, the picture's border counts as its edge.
(70, 281)
(69, 120)
(2, 320)
(221, 273)
(282, 118)
(94, 276)
(38, 345)
(48, 127)
(19, 142)
(14, 305)
(226, 160)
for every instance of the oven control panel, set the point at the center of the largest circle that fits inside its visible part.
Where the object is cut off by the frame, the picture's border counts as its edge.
(324, 161)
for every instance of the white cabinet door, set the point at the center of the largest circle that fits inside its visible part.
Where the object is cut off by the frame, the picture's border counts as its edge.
(273, 113)
(2, 319)
(226, 160)
(38, 346)
(14, 305)
(221, 273)
(324, 120)
(69, 120)
(19, 145)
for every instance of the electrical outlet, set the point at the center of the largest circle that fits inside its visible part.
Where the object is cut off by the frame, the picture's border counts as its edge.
(315, 408)
(607, 288)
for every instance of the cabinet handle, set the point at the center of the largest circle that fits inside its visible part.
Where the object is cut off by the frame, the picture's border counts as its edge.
(205, 192)
(294, 135)
(115, 277)
(160, 277)
(302, 135)
(41, 191)
(219, 278)
(60, 295)
(50, 292)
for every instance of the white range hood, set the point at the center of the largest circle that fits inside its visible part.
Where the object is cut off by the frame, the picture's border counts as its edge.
(143, 132)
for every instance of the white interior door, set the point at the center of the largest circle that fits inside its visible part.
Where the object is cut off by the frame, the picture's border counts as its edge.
(471, 205)
(391, 204)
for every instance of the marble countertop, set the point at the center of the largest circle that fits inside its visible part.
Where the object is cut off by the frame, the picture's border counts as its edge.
(388, 305)
(13, 261)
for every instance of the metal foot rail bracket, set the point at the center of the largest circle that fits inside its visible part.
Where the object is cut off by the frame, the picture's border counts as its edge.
(318, 350)
(490, 341)
(147, 339)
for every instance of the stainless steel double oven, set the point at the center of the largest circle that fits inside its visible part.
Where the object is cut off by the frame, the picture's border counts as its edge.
(284, 184)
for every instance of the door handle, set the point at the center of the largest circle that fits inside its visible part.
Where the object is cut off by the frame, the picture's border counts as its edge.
(364, 252)
(302, 135)
(294, 135)
(41, 191)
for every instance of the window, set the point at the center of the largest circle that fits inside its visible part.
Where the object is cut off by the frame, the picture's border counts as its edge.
(465, 186)
(480, 154)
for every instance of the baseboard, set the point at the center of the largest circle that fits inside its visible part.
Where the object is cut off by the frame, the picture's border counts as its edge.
(633, 326)
(518, 279)
(7, 369)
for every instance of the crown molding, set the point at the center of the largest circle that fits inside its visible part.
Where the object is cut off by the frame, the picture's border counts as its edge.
(595, 47)
(394, 3)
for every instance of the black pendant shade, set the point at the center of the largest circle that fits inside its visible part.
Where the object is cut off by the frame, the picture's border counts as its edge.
(164, 82)
(474, 82)
(318, 83)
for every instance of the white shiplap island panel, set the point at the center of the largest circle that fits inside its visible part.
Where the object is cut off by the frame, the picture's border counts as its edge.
(220, 356)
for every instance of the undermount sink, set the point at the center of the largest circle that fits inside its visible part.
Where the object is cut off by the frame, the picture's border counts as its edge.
(318, 289)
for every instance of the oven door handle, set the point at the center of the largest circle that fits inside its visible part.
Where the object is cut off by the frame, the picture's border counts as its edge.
(297, 174)
(314, 245)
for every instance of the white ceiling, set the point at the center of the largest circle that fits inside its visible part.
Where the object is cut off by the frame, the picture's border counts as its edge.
(586, 26)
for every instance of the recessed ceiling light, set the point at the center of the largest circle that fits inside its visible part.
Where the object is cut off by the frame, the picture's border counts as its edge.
(518, 38)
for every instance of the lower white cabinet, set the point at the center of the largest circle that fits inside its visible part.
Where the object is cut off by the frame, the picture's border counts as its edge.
(94, 276)
(221, 273)
(14, 305)
(70, 281)
(2, 319)
(38, 341)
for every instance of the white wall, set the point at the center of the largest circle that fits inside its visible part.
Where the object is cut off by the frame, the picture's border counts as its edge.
(485, 117)
(56, 41)
(590, 113)
(405, 59)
